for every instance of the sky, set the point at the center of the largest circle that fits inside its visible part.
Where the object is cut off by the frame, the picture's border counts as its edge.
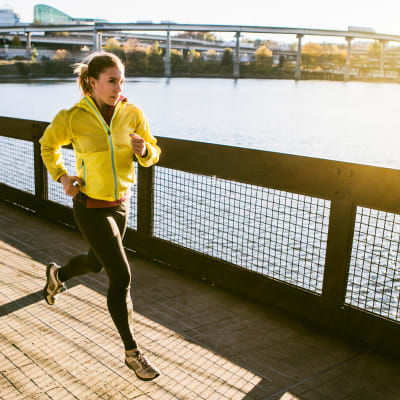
(383, 15)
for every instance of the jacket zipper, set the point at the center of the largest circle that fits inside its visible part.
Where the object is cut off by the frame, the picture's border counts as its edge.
(108, 130)
(84, 171)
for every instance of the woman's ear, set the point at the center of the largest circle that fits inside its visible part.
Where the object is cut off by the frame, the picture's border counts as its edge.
(92, 82)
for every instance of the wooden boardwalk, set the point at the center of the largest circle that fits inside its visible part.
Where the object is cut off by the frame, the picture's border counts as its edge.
(209, 344)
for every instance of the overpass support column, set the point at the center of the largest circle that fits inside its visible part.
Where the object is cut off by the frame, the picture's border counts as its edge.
(236, 61)
(382, 60)
(97, 40)
(297, 75)
(28, 40)
(167, 61)
(348, 58)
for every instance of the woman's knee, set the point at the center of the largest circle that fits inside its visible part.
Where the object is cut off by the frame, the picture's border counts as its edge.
(120, 281)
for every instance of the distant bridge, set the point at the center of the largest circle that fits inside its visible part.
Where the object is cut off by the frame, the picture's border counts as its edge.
(84, 39)
(100, 28)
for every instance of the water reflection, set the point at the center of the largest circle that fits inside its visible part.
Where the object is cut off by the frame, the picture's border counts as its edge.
(351, 121)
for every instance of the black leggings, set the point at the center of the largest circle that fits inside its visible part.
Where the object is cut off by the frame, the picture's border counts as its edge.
(104, 229)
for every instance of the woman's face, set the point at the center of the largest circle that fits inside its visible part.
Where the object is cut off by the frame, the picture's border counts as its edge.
(108, 87)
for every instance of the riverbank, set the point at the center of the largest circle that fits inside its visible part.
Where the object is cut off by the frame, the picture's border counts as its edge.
(22, 70)
(61, 69)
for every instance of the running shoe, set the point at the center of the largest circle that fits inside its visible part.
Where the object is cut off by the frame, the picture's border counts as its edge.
(53, 284)
(141, 365)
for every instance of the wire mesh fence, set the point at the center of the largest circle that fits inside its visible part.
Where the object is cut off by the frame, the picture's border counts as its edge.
(279, 234)
(55, 190)
(17, 164)
(374, 275)
(132, 220)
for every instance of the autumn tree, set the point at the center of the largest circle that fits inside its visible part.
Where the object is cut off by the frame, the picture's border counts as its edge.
(227, 61)
(212, 64)
(374, 49)
(16, 41)
(154, 61)
(178, 62)
(131, 45)
(61, 55)
(333, 54)
(263, 59)
(114, 46)
(198, 64)
(135, 56)
(311, 54)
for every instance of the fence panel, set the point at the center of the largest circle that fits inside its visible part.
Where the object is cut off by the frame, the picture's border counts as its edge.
(317, 237)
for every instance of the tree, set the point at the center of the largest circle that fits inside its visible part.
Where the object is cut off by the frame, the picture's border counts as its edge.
(114, 46)
(34, 54)
(178, 63)
(154, 61)
(131, 45)
(227, 61)
(61, 55)
(136, 62)
(16, 41)
(212, 65)
(263, 59)
(334, 55)
(198, 64)
(374, 49)
(311, 54)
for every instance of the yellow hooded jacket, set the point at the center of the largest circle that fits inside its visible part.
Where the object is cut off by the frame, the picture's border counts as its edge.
(103, 153)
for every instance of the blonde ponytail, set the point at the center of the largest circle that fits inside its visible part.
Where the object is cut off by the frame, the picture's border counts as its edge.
(82, 70)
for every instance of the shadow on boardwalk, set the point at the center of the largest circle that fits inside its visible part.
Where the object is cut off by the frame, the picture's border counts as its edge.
(208, 343)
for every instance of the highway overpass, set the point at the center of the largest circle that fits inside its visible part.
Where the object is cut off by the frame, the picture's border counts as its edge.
(98, 29)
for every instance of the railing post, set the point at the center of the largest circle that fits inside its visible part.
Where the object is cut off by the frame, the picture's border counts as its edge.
(167, 61)
(346, 76)
(383, 44)
(236, 59)
(41, 181)
(297, 74)
(338, 252)
(145, 202)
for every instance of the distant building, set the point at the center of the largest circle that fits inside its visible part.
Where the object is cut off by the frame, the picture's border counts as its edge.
(8, 17)
(43, 14)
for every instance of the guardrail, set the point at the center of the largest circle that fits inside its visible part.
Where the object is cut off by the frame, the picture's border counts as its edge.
(315, 237)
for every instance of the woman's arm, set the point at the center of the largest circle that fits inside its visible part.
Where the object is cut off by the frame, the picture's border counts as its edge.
(55, 136)
(150, 153)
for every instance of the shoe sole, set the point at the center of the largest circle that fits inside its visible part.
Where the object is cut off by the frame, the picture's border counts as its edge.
(45, 293)
(143, 379)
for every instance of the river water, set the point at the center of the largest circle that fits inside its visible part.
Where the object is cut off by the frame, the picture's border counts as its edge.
(354, 122)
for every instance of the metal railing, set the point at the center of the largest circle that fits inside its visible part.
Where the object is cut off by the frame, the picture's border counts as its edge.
(315, 237)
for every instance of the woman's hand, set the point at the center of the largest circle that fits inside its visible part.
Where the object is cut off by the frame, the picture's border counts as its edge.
(71, 184)
(138, 145)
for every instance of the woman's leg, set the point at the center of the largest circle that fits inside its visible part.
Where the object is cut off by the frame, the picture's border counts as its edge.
(104, 229)
(82, 263)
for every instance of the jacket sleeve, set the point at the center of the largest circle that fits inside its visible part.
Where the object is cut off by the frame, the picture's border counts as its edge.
(153, 151)
(55, 136)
